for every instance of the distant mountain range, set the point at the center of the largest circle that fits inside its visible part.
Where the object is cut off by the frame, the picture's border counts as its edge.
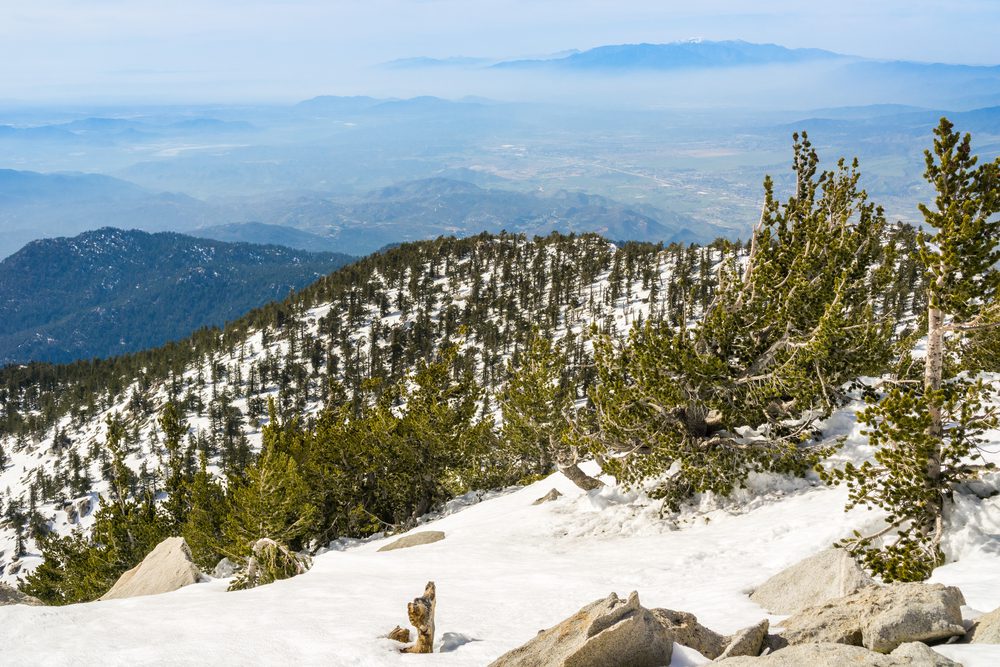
(676, 55)
(111, 291)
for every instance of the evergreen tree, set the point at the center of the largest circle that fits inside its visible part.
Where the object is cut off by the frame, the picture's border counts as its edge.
(202, 528)
(174, 479)
(928, 433)
(770, 353)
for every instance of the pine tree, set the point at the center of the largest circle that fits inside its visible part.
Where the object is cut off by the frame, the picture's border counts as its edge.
(781, 335)
(174, 479)
(273, 500)
(202, 528)
(927, 433)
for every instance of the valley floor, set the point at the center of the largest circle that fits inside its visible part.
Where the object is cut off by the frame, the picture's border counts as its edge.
(505, 570)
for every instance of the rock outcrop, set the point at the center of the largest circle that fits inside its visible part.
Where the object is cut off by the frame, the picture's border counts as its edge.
(685, 629)
(746, 642)
(167, 567)
(828, 575)
(224, 569)
(606, 633)
(986, 629)
(841, 655)
(881, 619)
(10, 596)
(415, 540)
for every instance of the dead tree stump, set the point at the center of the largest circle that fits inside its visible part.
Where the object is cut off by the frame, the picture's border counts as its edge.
(421, 613)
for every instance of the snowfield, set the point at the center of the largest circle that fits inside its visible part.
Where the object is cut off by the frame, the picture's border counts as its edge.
(506, 569)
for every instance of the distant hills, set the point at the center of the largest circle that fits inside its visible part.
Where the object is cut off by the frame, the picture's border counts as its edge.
(264, 234)
(431, 207)
(111, 291)
(34, 204)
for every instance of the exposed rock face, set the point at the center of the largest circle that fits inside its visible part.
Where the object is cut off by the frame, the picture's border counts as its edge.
(746, 642)
(10, 596)
(548, 497)
(841, 655)
(828, 575)
(414, 540)
(686, 630)
(166, 568)
(986, 629)
(606, 633)
(881, 618)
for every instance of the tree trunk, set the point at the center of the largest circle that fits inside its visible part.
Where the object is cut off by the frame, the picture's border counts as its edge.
(421, 613)
(581, 479)
(933, 371)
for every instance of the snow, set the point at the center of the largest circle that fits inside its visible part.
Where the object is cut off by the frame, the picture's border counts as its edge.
(506, 569)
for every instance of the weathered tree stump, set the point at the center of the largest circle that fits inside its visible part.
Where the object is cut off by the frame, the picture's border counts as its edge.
(421, 613)
(399, 634)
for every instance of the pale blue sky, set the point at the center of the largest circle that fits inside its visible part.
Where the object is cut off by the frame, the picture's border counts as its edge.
(252, 50)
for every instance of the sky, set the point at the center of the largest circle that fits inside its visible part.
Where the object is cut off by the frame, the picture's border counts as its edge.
(282, 50)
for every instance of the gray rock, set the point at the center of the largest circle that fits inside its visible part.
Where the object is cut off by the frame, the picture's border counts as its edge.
(224, 569)
(71, 513)
(828, 575)
(746, 642)
(606, 633)
(166, 568)
(685, 629)
(986, 629)
(548, 497)
(414, 540)
(841, 655)
(881, 618)
(11, 596)
(84, 506)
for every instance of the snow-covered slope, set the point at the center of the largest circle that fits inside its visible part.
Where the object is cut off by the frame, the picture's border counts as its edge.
(505, 570)
(498, 286)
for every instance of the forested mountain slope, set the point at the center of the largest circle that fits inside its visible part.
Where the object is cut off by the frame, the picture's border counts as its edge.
(111, 291)
(367, 325)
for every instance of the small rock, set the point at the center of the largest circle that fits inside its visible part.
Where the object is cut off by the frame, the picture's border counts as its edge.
(166, 568)
(224, 569)
(548, 497)
(687, 631)
(828, 575)
(399, 634)
(606, 633)
(11, 596)
(746, 642)
(986, 629)
(414, 540)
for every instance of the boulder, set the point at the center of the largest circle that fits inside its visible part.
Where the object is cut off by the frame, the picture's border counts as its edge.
(415, 540)
(830, 574)
(746, 642)
(167, 567)
(687, 631)
(986, 629)
(881, 618)
(224, 569)
(839, 655)
(548, 497)
(606, 633)
(10, 596)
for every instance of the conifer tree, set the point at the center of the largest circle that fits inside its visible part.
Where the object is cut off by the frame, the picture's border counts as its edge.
(202, 528)
(741, 390)
(174, 480)
(928, 433)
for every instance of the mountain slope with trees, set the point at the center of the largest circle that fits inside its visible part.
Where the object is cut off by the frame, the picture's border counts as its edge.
(111, 291)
